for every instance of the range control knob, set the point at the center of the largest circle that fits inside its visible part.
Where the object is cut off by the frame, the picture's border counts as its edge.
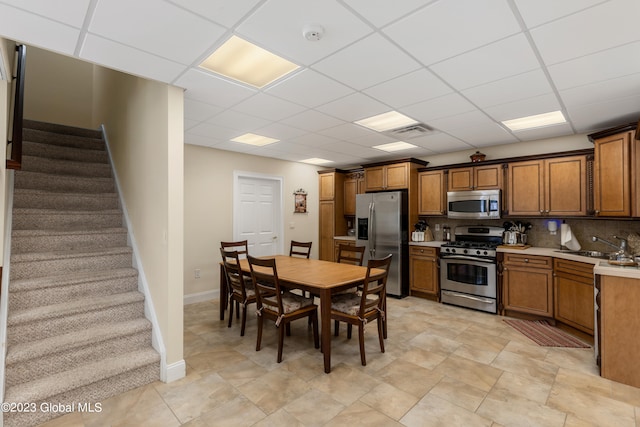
(465, 251)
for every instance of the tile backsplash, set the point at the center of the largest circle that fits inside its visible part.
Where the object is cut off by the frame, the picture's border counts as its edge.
(538, 235)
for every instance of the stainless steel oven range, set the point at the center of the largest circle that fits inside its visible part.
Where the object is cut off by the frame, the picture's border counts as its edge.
(468, 268)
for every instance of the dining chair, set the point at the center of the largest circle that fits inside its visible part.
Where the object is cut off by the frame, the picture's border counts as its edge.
(283, 307)
(300, 249)
(239, 289)
(361, 308)
(349, 254)
(241, 246)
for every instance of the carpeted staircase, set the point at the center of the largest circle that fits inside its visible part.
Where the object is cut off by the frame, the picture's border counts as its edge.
(76, 329)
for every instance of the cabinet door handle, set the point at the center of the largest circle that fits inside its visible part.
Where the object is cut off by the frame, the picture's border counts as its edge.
(526, 260)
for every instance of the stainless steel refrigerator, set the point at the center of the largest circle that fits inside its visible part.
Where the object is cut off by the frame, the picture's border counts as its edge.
(382, 227)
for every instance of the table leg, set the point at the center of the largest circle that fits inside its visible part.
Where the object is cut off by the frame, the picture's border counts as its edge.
(223, 292)
(325, 329)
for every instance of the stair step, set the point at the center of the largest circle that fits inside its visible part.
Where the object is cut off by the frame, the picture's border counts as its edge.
(91, 382)
(48, 219)
(63, 183)
(42, 264)
(33, 292)
(58, 128)
(50, 320)
(38, 149)
(68, 239)
(30, 360)
(62, 139)
(38, 199)
(65, 167)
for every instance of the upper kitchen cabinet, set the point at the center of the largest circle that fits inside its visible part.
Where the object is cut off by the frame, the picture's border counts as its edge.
(554, 186)
(391, 176)
(616, 165)
(353, 185)
(331, 211)
(431, 193)
(486, 177)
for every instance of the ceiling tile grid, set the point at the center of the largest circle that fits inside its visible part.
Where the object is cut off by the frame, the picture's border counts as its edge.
(460, 67)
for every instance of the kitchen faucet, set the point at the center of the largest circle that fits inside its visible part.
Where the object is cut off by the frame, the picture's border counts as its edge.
(623, 243)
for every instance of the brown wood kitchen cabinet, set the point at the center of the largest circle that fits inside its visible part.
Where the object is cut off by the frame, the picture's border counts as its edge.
(527, 285)
(573, 294)
(424, 276)
(431, 193)
(616, 191)
(387, 177)
(486, 177)
(331, 211)
(555, 186)
(353, 185)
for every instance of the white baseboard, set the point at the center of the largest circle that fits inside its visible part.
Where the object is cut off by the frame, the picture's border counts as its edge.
(174, 371)
(200, 297)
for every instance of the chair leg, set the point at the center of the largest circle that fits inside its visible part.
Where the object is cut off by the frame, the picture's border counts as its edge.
(381, 333)
(316, 336)
(244, 320)
(336, 327)
(259, 339)
(361, 339)
(237, 310)
(281, 331)
(288, 329)
(230, 313)
(349, 329)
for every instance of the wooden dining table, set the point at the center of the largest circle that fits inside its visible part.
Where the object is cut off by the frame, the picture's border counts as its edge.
(322, 278)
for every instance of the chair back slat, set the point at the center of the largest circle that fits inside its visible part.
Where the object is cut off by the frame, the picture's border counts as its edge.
(241, 246)
(265, 281)
(301, 249)
(348, 254)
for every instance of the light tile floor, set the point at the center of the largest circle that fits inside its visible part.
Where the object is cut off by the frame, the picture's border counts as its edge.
(444, 366)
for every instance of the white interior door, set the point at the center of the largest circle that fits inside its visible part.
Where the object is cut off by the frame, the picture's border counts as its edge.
(257, 215)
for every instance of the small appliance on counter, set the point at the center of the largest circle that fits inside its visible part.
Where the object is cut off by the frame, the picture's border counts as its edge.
(422, 232)
(515, 233)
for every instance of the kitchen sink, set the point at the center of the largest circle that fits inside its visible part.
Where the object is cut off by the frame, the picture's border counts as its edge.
(590, 254)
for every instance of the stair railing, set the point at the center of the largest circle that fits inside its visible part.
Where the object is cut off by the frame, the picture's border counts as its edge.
(16, 112)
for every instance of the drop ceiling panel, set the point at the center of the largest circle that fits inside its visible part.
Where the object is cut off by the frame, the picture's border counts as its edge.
(544, 132)
(214, 131)
(239, 121)
(313, 140)
(366, 63)
(190, 36)
(25, 27)
(441, 30)
(498, 60)
(441, 143)
(409, 89)
(224, 12)
(129, 60)
(524, 107)
(601, 91)
(605, 114)
(312, 121)
(348, 131)
(200, 111)
(277, 26)
(309, 88)
(382, 12)
(268, 107)
(448, 105)
(538, 12)
(70, 12)
(280, 131)
(522, 86)
(205, 87)
(607, 25)
(353, 107)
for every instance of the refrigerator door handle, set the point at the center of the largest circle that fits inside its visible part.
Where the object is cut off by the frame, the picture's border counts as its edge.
(372, 230)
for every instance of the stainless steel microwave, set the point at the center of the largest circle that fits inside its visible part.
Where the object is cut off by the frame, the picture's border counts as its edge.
(481, 204)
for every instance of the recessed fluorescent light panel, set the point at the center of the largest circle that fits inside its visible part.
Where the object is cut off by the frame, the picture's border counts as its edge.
(539, 120)
(253, 139)
(386, 121)
(247, 63)
(395, 146)
(316, 161)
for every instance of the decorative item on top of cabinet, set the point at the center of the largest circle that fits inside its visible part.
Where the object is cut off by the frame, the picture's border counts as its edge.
(573, 294)
(423, 272)
(331, 211)
(431, 193)
(486, 177)
(616, 164)
(554, 186)
(527, 285)
(353, 184)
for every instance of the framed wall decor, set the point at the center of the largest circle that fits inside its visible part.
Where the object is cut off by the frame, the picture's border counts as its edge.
(300, 200)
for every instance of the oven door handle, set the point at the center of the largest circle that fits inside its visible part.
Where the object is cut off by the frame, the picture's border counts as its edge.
(468, 258)
(478, 299)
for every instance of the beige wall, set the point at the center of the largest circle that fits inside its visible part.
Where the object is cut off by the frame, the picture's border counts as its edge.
(208, 207)
(58, 89)
(143, 121)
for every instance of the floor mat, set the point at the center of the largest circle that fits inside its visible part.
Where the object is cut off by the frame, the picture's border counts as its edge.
(543, 334)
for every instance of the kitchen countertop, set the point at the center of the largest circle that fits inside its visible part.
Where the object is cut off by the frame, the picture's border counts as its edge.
(601, 267)
(344, 238)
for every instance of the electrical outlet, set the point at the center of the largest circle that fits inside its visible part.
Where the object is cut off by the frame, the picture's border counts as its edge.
(197, 273)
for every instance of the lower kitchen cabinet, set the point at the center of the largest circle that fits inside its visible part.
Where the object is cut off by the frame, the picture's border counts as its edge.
(527, 285)
(423, 272)
(573, 294)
